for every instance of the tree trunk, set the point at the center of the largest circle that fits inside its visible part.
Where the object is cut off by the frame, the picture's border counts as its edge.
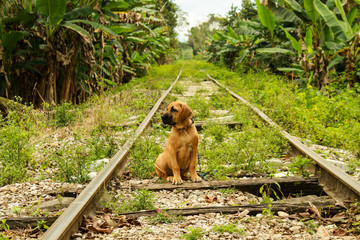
(69, 62)
(47, 88)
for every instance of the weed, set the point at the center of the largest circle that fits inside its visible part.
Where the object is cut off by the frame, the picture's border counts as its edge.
(195, 233)
(227, 191)
(222, 100)
(3, 237)
(179, 89)
(102, 144)
(353, 165)
(299, 165)
(143, 200)
(161, 217)
(311, 226)
(216, 131)
(17, 210)
(143, 156)
(63, 115)
(140, 200)
(200, 106)
(15, 149)
(230, 228)
(73, 164)
(266, 191)
(267, 211)
(245, 151)
(41, 224)
(4, 225)
(37, 212)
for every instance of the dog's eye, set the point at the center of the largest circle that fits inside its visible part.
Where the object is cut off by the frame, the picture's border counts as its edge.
(173, 109)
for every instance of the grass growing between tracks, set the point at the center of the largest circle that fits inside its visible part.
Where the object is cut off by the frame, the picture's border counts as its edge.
(64, 141)
(329, 118)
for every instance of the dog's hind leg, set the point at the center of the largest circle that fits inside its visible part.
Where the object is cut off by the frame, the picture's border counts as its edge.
(160, 172)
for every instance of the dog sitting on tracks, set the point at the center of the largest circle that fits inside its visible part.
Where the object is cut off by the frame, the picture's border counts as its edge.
(179, 156)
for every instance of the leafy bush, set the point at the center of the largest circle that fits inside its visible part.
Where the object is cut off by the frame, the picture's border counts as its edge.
(73, 164)
(15, 148)
(299, 166)
(63, 115)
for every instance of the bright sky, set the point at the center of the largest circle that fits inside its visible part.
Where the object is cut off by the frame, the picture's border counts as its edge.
(198, 10)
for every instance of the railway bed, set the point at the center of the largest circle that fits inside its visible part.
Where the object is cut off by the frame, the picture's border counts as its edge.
(328, 198)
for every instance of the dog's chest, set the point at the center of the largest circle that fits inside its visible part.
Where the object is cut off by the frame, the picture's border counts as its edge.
(185, 144)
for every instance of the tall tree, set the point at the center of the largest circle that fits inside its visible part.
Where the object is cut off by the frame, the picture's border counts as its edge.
(198, 35)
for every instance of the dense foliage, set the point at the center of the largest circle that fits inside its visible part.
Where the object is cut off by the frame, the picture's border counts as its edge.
(65, 50)
(310, 41)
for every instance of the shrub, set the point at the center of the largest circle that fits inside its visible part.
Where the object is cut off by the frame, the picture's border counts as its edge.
(15, 148)
(63, 115)
(73, 163)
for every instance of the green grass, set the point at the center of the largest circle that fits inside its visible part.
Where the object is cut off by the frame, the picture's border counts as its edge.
(229, 228)
(224, 153)
(328, 118)
(137, 201)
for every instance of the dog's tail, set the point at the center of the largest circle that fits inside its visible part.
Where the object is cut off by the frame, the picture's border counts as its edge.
(161, 173)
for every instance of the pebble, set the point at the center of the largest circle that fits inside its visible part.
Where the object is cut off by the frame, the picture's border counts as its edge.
(277, 236)
(295, 229)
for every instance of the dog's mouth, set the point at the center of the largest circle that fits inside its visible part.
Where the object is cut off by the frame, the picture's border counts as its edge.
(166, 119)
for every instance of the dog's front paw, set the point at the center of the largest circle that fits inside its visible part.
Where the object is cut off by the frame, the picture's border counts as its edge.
(175, 180)
(196, 179)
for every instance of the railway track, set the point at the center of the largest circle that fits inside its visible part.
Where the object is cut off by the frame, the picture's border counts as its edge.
(327, 180)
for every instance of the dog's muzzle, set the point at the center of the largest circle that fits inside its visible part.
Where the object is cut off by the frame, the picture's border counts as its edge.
(167, 119)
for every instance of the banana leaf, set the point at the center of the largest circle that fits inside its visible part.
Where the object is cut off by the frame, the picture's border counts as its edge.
(78, 12)
(274, 50)
(294, 5)
(331, 20)
(85, 34)
(10, 39)
(53, 9)
(336, 60)
(95, 25)
(266, 16)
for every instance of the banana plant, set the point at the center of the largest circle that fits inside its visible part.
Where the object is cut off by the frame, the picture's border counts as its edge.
(346, 42)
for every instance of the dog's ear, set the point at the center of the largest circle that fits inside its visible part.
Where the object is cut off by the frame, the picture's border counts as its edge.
(186, 113)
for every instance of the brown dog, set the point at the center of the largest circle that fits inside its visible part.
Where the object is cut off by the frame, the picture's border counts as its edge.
(179, 156)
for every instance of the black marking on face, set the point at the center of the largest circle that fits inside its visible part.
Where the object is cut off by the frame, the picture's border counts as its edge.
(173, 110)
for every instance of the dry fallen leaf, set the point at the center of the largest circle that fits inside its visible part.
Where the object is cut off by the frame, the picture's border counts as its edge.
(314, 210)
(210, 199)
(109, 220)
(339, 232)
(322, 232)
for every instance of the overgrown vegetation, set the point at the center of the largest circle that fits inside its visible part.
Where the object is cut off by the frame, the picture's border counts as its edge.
(312, 42)
(136, 201)
(15, 148)
(64, 50)
(143, 156)
(97, 125)
(71, 138)
(324, 118)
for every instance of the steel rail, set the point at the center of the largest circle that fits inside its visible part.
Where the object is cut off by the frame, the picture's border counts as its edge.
(70, 220)
(336, 182)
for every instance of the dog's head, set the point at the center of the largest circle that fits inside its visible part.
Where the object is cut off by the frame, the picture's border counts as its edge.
(177, 113)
